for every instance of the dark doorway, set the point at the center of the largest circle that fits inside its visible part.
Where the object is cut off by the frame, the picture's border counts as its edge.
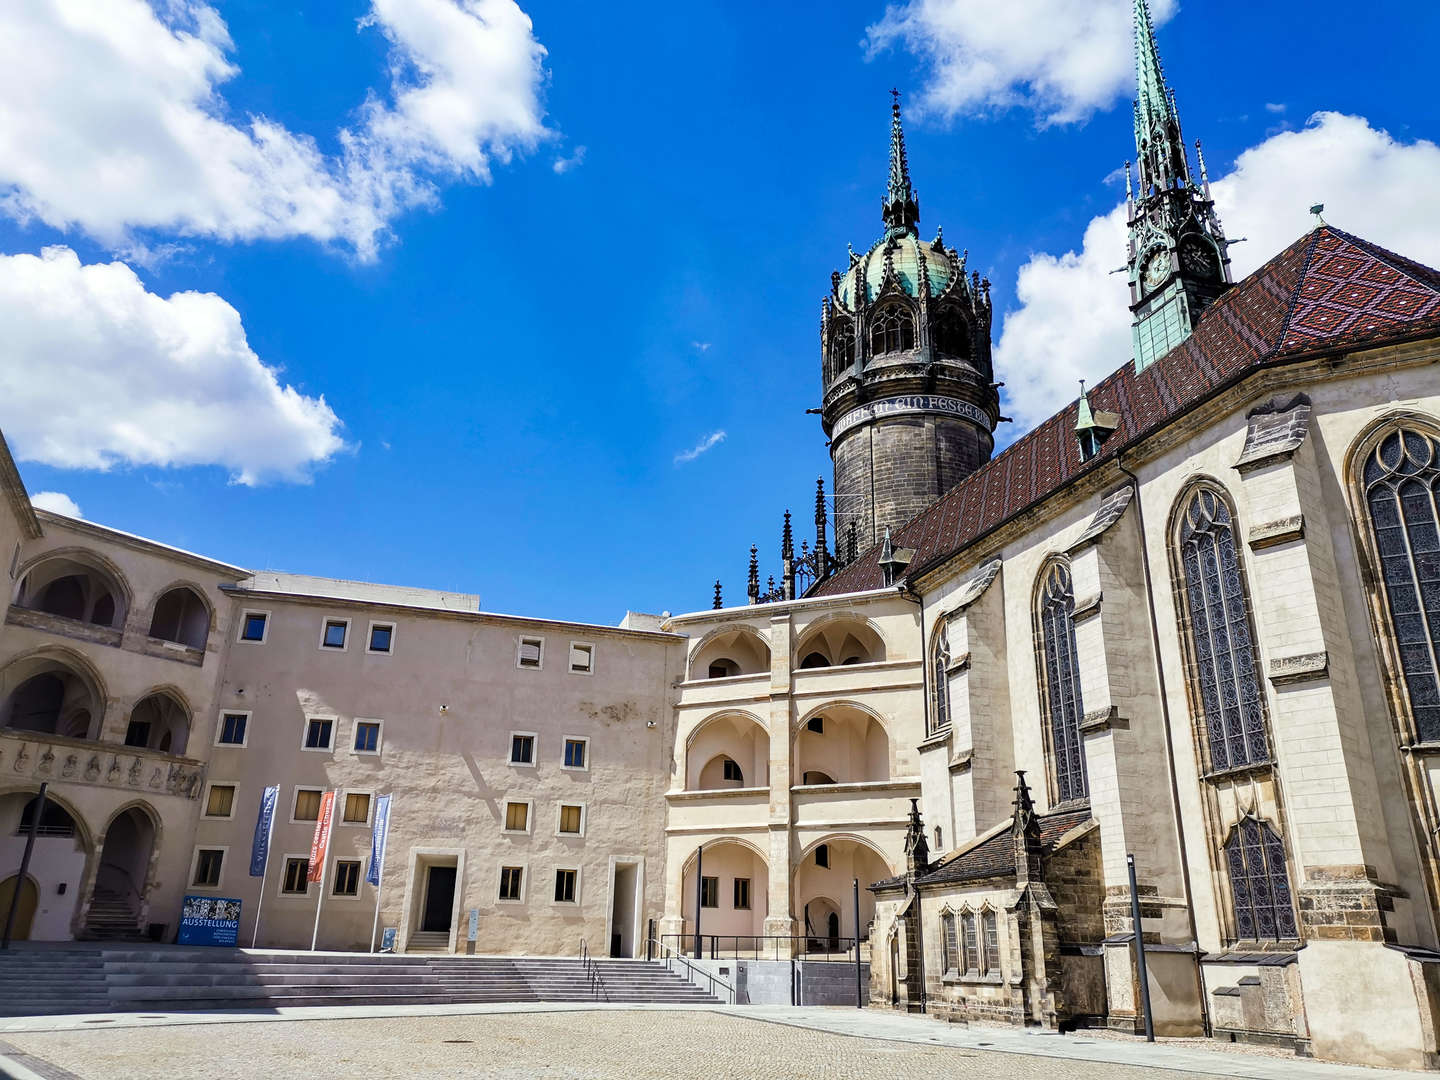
(832, 928)
(439, 898)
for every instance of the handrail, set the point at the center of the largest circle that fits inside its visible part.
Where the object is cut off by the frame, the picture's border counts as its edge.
(818, 947)
(673, 954)
(591, 971)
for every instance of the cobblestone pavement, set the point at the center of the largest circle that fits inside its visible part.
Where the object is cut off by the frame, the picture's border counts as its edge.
(557, 1046)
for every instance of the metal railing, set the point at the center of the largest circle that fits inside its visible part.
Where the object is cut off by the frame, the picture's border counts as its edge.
(591, 971)
(769, 947)
(669, 955)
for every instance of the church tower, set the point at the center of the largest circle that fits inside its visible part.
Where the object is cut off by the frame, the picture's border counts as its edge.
(1179, 258)
(909, 401)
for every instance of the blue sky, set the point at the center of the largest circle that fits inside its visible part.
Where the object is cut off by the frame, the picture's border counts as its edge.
(519, 363)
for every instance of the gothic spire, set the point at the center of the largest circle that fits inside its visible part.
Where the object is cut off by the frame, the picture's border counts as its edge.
(1159, 147)
(901, 210)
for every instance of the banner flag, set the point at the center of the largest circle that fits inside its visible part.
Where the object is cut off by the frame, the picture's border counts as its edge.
(260, 850)
(378, 835)
(320, 845)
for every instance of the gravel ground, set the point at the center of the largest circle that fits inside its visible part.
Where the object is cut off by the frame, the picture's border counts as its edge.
(580, 1045)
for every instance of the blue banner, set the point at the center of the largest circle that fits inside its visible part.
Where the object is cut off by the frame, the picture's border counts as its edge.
(379, 834)
(209, 920)
(260, 850)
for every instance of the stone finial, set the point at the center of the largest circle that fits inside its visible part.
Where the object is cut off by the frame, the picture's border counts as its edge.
(718, 602)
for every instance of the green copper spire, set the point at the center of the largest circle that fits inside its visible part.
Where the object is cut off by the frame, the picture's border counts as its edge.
(1159, 146)
(901, 210)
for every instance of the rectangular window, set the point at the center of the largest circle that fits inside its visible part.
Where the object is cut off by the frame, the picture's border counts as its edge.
(576, 753)
(336, 630)
(742, 894)
(709, 892)
(570, 820)
(367, 736)
(347, 877)
(565, 886)
(297, 870)
(207, 868)
(512, 880)
(517, 816)
(307, 804)
(531, 652)
(221, 800)
(232, 729)
(357, 808)
(522, 749)
(582, 658)
(253, 625)
(319, 733)
(732, 771)
(382, 635)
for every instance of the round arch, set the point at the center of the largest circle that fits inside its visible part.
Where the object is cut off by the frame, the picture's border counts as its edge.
(851, 744)
(738, 895)
(84, 834)
(178, 723)
(47, 660)
(173, 616)
(83, 557)
(837, 650)
(850, 838)
(814, 885)
(732, 734)
(68, 860)
(719, 647)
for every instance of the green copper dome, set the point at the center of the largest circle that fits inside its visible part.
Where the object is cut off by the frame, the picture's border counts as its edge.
(905, 251)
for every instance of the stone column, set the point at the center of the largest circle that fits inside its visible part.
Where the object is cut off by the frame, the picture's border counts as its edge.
(779, 918)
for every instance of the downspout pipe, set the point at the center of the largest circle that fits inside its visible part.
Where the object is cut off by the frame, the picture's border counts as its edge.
(1165, 724)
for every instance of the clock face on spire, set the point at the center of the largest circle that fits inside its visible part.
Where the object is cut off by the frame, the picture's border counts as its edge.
(1197, 259)
(1156, 269)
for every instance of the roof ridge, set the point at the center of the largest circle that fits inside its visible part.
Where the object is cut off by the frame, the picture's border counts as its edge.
(1399, 263)
(1314, 241)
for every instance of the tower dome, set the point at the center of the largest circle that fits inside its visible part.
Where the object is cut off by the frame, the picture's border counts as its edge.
(909, 398)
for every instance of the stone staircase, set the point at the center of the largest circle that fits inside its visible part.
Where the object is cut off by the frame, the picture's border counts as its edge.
(435, 942)
(112, 917)
(171, 979)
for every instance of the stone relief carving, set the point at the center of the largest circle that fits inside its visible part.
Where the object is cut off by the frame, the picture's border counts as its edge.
(38, 758)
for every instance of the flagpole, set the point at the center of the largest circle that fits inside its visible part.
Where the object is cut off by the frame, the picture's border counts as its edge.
(321, 847)
(380, 876)
(320, 902)
(265, 873)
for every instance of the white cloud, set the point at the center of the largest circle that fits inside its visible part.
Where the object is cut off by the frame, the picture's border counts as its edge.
(57, 502)
(565, 164)
(715, 438)
(700, 346)
(1275, 107)
(1073, 320)
(112, 122)
(1062, 58)
(99, 372)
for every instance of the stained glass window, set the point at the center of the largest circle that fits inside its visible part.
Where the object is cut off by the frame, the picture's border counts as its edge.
(1231, 704)
(892, 331)
(940, 680)
(1402, 478)
(1062, 702)
(842, 349)
(1259, 882)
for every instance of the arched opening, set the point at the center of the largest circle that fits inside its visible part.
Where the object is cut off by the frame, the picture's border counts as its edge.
(740, 651)
(731, 751)
(850, 747)
(25, 909)
(826, 924)
(840, 643)
(842, 348)
(952, 335)
(73, 589)
(122, 878)
(734, 896)
(159, 722)
(45, 695)
(892, 329)
(57, 865)
(181, 616)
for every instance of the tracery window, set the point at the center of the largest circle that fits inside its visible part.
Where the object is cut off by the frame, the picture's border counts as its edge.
(893, 330)
(1259, 882)
(969, 931)
(940, 680)
(1231, 704)
(949, 945)
(1061, 694)
(952, 335)
(1401, 480)
(990, 929)
(842, 348)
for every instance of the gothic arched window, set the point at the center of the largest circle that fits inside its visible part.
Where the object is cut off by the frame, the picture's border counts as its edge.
(1231, 705)
(1259, 882)
(952, 335)
(1402, 488)
(940, 680)
(949, 944)
(1060, 697)
(842, 348)
(892, 330)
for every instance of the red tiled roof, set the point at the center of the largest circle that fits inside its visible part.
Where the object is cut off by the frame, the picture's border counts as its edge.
(1327, 292)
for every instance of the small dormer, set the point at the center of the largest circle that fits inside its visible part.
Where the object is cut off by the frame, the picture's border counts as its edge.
(1092, 427)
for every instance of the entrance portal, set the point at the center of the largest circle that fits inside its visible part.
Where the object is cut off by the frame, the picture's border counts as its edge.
(122, 878)
(439, 899)
(623, 901)
(25, 910)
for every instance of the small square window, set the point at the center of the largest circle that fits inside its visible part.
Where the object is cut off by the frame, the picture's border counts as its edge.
(532, 652)
(347, 877)
(207, 867)
(335, 633)
(709, 892)
(307, 804)
(582, 658)
(382, 636)
(742, 894)
(357, 808)
(319, 733)
(522, 749)
(232, 729)
(253, 626)
(367, 736)
(517, 817)
(512, 881)
(221, 801)
(297, 873)
(565, 881)
(571, 820)
(577, 753)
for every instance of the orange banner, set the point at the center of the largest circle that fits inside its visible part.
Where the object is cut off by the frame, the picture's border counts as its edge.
(320, 845)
